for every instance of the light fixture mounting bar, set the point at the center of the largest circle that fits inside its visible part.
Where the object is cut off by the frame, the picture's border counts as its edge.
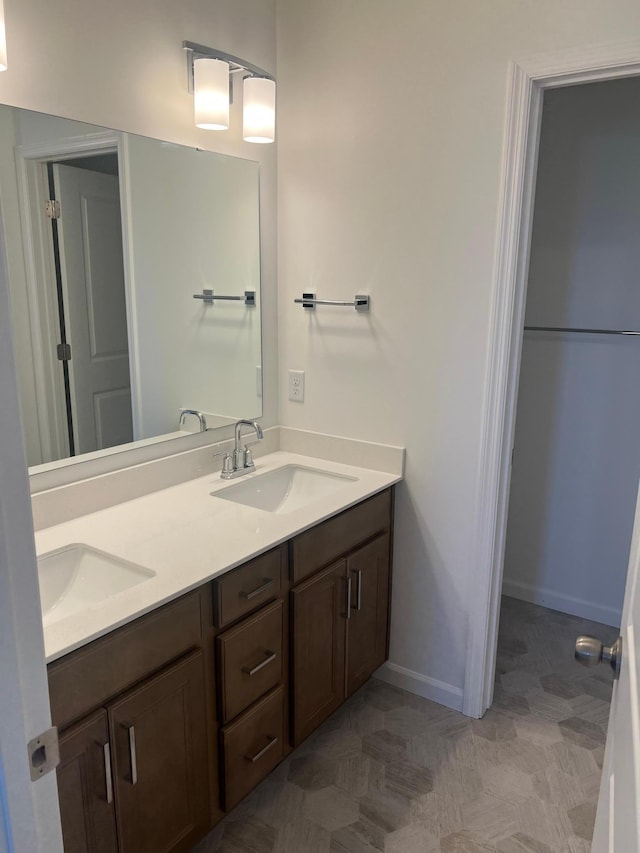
(196, 51)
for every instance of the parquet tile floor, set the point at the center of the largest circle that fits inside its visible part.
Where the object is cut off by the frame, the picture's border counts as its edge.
(396, 773)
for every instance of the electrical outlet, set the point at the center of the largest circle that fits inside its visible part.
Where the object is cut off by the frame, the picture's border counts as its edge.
(296, 385)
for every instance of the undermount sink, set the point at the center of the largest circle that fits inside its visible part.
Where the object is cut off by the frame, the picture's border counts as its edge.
(285, 489)
(77, 577)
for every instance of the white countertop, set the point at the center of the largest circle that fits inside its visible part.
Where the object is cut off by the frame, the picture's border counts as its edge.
(188, 537)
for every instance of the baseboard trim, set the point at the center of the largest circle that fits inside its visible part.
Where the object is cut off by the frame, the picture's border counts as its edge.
(564, 603)
(421, 685)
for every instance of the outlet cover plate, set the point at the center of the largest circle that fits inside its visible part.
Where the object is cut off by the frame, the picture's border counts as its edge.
(296, 386)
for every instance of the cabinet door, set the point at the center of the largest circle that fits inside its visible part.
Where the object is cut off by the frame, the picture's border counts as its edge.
(318, 622)
(158, 731)
(85, 788)
(368, 573)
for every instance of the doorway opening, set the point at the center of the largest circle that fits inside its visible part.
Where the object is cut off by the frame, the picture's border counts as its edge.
(527, 84)
(576, 457)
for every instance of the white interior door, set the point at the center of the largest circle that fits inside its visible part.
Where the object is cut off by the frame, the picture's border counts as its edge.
(617, 828)
(90, 240)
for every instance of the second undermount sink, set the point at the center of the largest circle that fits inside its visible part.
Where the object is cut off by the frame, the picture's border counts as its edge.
(78, 577)
(285, 489)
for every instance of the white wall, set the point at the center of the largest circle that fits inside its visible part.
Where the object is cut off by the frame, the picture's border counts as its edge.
(391, 134)
(121, 65)
(576, 459)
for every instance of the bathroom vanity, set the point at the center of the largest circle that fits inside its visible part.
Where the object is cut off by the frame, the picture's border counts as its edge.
(167, 721)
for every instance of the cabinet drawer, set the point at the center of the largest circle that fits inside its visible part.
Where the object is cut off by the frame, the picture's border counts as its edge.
(248, 587)
(85, 679)
(332, 539)
(250, 658)
(253, 745)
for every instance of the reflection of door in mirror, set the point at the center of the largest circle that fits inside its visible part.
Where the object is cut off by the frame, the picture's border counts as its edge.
(87, 235)
(61, 213)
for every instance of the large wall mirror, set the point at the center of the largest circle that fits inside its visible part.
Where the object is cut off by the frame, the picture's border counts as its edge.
(109, 239)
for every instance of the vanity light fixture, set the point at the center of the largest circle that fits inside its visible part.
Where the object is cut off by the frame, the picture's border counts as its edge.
(211, 82)
(3, 39)
(211, 93)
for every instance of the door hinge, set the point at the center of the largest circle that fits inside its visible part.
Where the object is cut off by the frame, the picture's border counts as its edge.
(44, 753)
(64, 352)
(52, 209)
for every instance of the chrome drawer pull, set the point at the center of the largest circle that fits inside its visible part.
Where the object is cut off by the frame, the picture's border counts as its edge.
(271, 656)
(359, 590)
(266, 583)
(132, 752)
(106, 751)
(348, 580)
(253, 758)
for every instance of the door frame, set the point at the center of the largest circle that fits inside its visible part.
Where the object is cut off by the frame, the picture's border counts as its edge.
(29, 814)
(527, 81)
(33, 192)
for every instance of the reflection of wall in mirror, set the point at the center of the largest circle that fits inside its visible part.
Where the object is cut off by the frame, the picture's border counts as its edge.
(186, 354)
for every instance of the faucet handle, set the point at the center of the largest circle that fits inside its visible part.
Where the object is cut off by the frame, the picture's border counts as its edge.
(227, 461)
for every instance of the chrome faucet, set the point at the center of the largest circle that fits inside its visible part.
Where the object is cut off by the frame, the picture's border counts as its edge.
(199, 415)
(240, 461)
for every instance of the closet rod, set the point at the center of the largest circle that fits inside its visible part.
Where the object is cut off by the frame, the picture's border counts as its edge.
(581, 331)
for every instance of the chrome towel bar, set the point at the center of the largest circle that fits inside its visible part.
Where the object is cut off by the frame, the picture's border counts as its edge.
(360, 301)
(208, 296)
(580, 331)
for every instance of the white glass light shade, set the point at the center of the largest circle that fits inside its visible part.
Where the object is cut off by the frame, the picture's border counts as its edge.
(3, 40)
(211, 93)
(259, 110)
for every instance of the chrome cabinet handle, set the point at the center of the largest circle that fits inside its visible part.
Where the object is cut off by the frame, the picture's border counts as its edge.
(271, 656)
(108, 782)
(348, 580)
(132, 752)
(266, 583)
(358, 574)
(253, 758)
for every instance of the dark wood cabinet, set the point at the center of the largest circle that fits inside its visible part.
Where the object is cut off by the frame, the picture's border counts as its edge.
(319, 610)
(134, 777)
(368, 574)
(183, 711)
(160, 762)
(85, 789)
(340, 614)
(136, 771)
